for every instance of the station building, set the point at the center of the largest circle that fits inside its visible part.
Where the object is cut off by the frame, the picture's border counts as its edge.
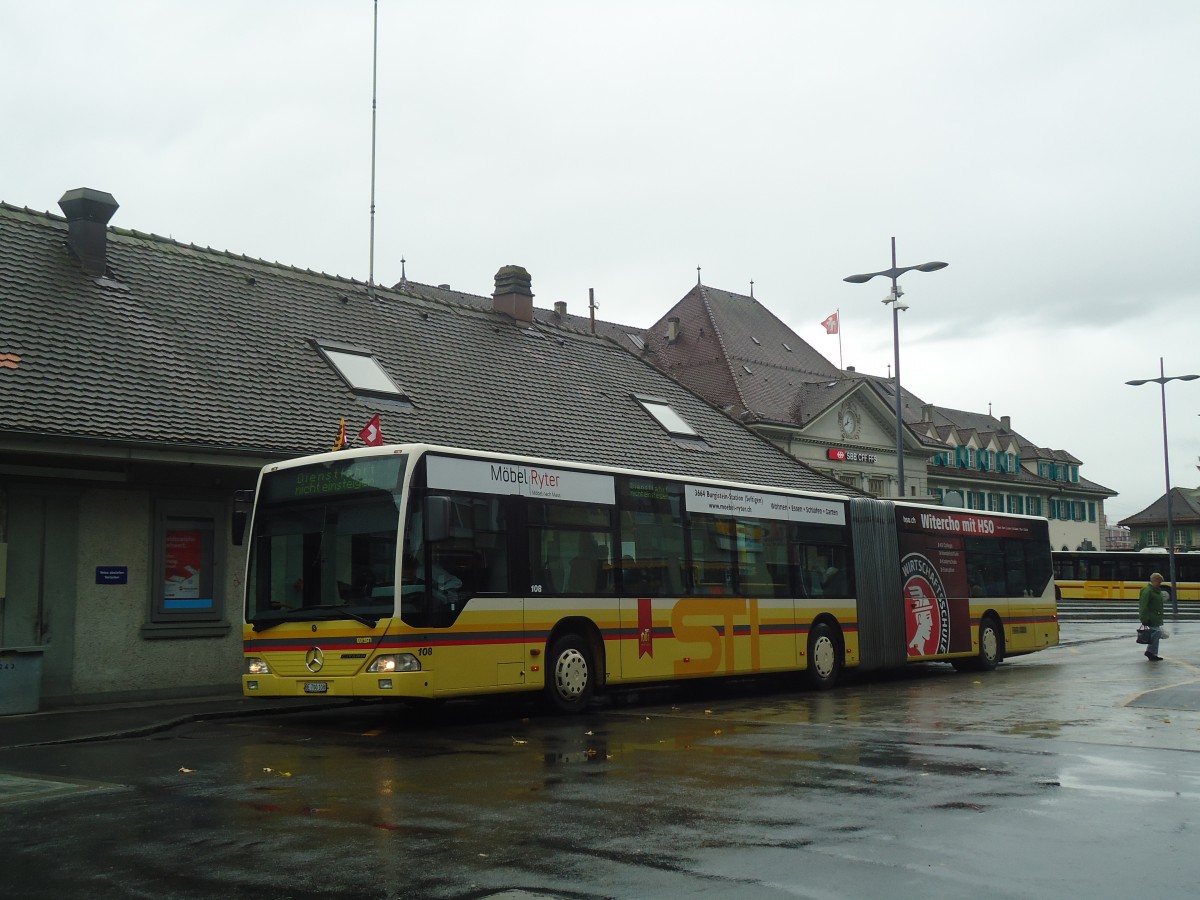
(144, 380)
(732, 350)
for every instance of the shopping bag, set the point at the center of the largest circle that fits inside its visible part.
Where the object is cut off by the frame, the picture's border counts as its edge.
(1143, 634)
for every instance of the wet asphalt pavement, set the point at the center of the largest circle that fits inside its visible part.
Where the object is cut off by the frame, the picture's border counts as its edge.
(1059, 775)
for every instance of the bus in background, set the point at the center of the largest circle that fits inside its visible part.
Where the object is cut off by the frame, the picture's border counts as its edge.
(1121, 574)
(414, 571)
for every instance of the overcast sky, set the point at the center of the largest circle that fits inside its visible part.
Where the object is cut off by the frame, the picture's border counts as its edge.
(1048, 151)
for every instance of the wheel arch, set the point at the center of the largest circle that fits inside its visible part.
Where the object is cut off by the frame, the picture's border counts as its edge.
(829, 619)
(991, 613)
(979, 662)
(820, 672)
(588, 630)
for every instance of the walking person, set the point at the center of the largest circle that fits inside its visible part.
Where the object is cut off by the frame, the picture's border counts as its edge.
(1150, 609)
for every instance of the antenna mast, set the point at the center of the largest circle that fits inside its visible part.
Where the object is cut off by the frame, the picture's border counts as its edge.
(374, 93)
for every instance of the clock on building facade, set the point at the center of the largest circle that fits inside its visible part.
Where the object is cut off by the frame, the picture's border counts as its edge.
(849, 421)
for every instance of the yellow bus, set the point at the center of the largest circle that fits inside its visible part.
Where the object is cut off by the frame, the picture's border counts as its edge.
(1121, 574)
(416, 571)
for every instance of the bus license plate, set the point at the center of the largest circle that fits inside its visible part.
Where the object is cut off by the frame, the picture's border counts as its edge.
(316, 687)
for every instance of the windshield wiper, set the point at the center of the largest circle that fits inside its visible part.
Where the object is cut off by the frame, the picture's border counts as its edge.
(330, 612)
(264, 624)
(365, 620)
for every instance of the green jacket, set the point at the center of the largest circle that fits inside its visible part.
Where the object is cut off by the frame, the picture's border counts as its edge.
(1150, 605)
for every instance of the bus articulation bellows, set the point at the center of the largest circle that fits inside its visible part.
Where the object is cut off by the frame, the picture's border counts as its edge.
(416, 571)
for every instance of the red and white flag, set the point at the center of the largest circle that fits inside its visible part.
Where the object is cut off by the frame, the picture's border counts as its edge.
(372, 433)
(831, 324)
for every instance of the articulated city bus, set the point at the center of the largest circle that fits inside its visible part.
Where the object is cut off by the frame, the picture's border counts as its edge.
(414, 571)
(1121, 574)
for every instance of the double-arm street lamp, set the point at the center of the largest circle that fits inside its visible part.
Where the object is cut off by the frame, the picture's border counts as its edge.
(1161, 381)
(894, 299)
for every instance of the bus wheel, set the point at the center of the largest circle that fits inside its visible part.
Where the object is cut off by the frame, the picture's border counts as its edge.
(570, 679)
(824, 657)
(991, 649)
(991, 644)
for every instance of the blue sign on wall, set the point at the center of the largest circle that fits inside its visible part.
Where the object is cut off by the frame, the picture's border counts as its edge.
(112, 574)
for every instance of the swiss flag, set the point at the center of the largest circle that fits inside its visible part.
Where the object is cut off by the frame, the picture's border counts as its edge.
(372, 433)
(831, 324)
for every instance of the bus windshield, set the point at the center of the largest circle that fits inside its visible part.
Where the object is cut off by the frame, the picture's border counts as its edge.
(324, 542)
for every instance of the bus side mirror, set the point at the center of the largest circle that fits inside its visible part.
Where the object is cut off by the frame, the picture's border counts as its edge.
(237, 528)
(437, 518)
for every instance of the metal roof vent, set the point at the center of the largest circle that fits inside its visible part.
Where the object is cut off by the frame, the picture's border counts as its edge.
(88, 212)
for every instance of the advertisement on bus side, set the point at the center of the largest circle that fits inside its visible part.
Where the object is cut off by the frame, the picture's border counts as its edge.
(935, 576)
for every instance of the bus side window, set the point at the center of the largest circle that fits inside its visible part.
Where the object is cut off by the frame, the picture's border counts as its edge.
(440, 577)
(652, 547)
(712, 554)
(585, 574)
(570, 548)
(1015, 576)
(819, 562)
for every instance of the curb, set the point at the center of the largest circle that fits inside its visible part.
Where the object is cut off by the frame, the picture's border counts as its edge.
(175, 721)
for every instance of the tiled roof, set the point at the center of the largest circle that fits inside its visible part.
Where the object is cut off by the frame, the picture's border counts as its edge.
(1185, 509)
(910, 409)
(181, 347)
(986, 425)
(736, 352)
(740, 356)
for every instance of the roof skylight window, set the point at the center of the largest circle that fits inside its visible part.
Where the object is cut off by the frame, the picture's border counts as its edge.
(361, 371)
(664, 414)
(636, 340)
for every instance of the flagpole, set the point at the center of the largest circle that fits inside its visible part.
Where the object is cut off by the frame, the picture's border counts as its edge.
(374, 96)
(833, 325)
(839, 321)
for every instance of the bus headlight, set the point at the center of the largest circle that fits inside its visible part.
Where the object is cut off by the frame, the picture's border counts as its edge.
(394, 662)
(256, 666)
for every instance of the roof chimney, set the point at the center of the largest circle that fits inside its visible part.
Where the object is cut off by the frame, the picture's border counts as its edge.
(1006, 423)
(513, 296)
(927, 412)
(88, 212)
(672, 329)
(560, 307)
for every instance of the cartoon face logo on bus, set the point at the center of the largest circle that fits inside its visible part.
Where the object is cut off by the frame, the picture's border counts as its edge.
(926, 612)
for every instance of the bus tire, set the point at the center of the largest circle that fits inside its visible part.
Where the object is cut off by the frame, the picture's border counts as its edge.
(991, 644)
(991, 649)
(824, 657)
(570, 675)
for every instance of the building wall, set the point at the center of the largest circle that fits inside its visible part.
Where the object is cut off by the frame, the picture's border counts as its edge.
(83, 577)
(1187, 536)
(870, 464)
(117, 528)
(1070, 535)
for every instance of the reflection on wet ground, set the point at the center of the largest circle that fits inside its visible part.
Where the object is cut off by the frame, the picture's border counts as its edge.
(889, 786)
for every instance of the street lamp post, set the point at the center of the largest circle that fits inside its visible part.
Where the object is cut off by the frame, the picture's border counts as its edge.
(894, 299)
(1161, 381)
